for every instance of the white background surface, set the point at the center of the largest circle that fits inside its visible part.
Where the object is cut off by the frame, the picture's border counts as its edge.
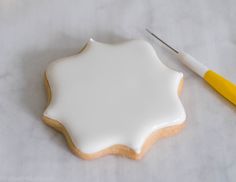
(34, 33)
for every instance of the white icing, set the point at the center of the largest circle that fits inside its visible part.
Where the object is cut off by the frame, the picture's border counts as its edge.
(113, 94)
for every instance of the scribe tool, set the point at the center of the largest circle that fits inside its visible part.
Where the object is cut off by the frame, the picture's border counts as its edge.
(223, 86)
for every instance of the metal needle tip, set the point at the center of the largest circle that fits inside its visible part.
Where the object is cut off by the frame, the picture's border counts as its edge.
(162, 41)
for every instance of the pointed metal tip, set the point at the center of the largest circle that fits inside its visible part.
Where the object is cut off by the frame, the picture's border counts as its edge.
(154, 35)
(148, 30)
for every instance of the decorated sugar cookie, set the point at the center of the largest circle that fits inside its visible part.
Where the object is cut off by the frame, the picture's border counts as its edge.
(113, 99)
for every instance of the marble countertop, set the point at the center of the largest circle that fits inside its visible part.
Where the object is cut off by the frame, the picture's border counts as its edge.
(34, 33)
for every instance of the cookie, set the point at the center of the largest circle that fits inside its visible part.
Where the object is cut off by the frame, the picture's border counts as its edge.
(113, 99)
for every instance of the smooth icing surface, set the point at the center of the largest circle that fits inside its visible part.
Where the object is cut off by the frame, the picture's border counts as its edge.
(113, 94)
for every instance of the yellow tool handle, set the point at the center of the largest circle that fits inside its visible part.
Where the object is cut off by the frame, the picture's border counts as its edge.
(226, 88)
(221, 85)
